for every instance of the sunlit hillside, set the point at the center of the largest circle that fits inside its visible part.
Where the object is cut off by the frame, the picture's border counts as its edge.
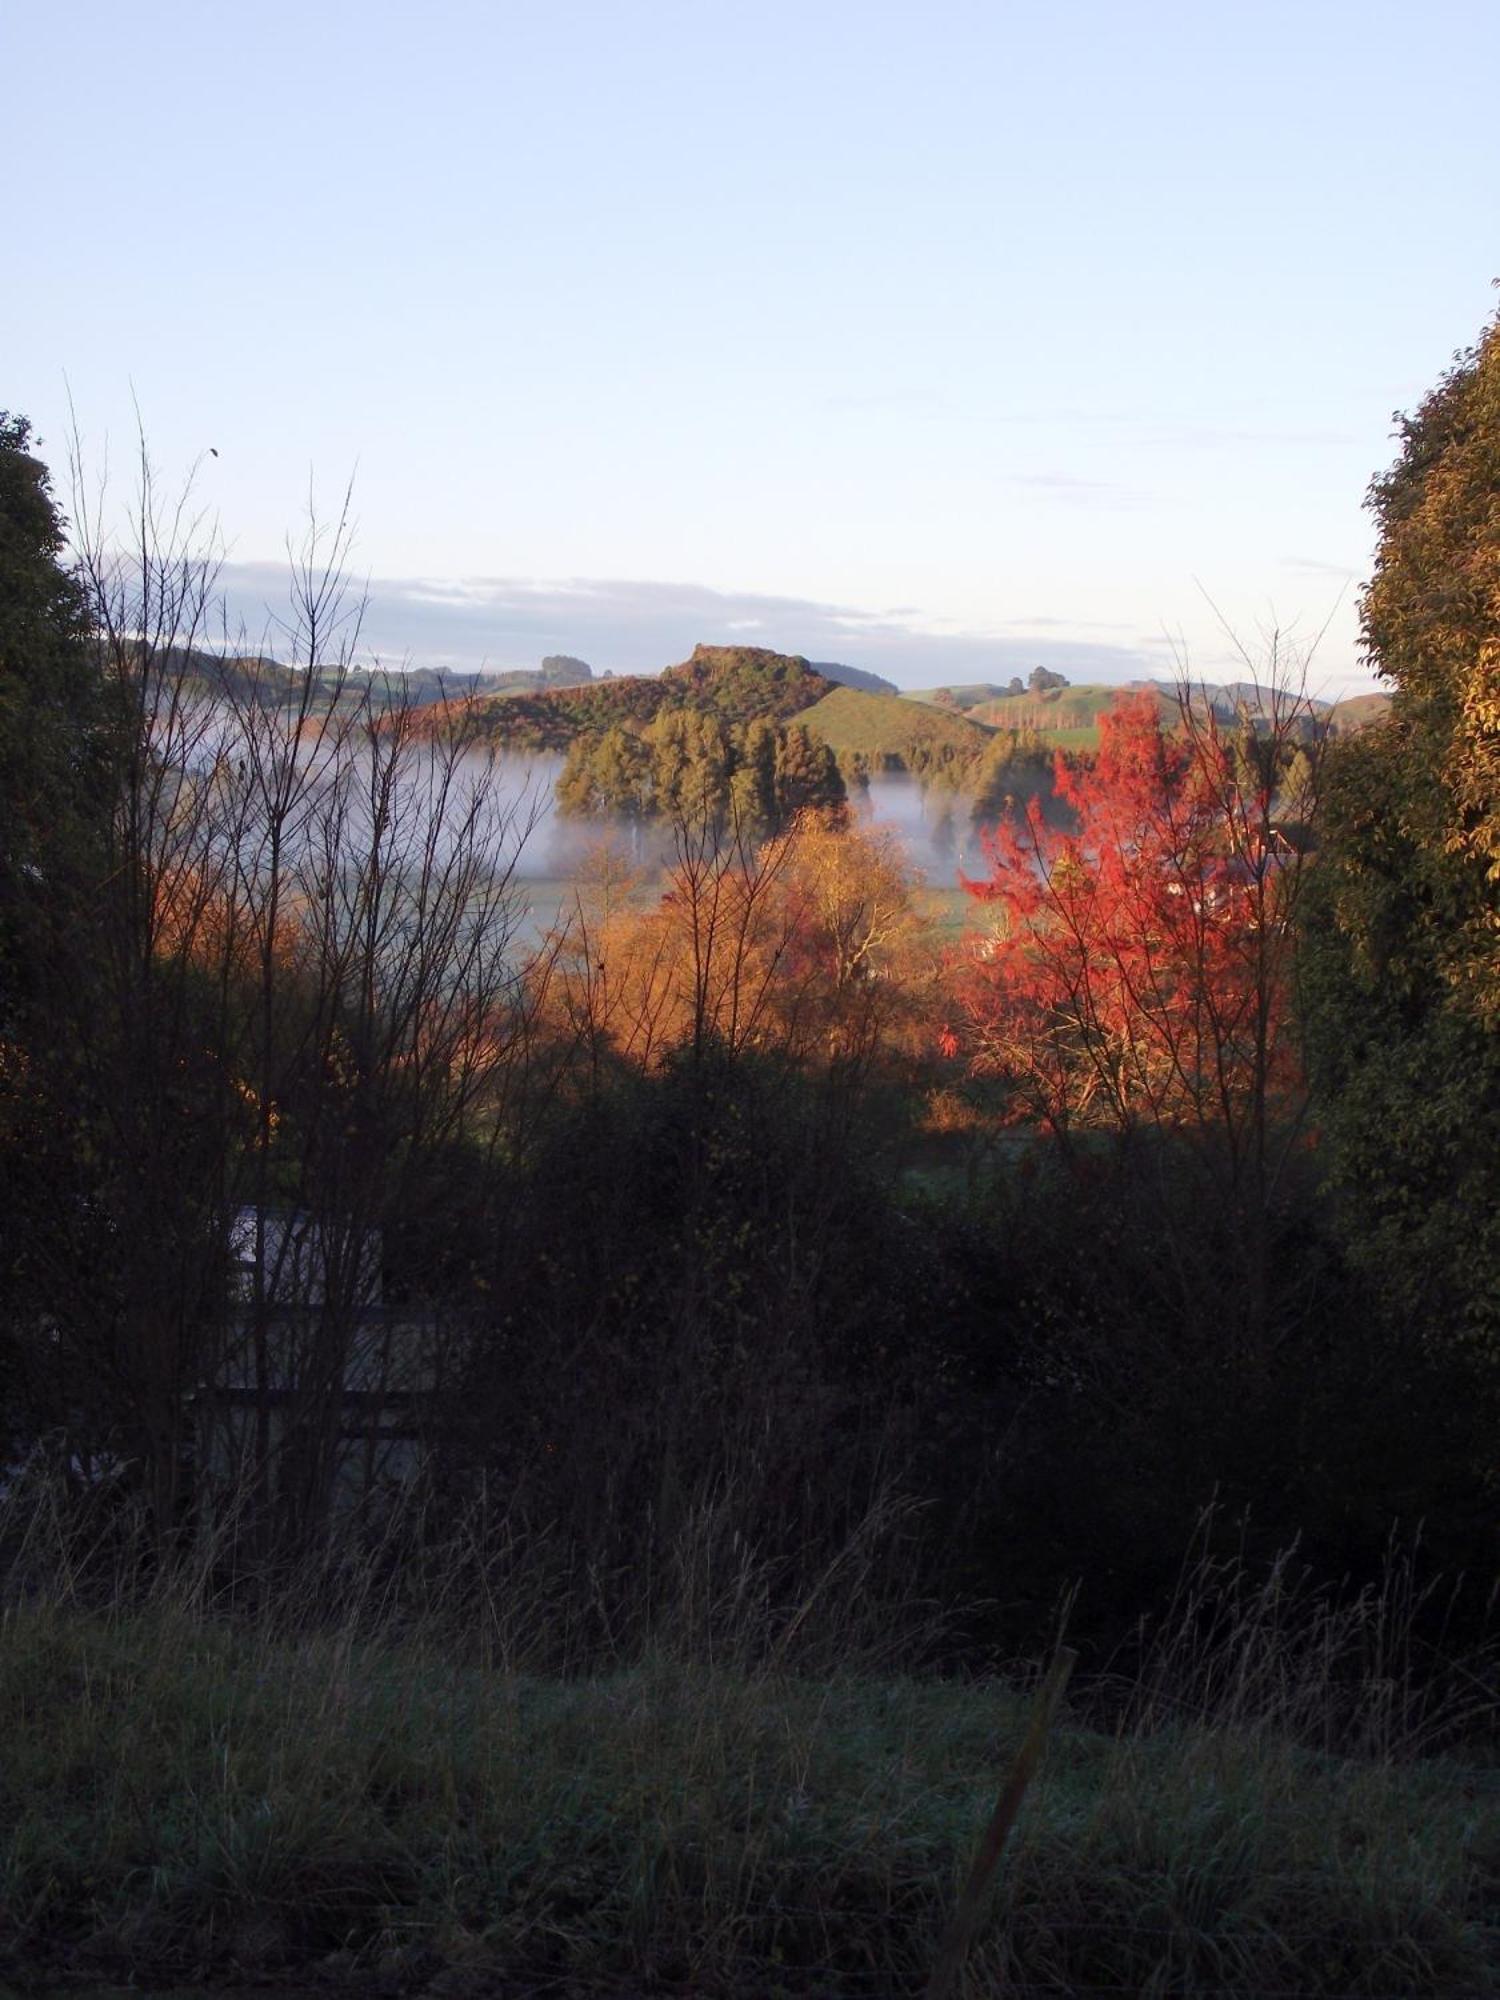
(891, 732)
(1067, 718)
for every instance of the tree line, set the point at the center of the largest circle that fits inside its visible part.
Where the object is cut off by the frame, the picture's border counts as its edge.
(688, 764)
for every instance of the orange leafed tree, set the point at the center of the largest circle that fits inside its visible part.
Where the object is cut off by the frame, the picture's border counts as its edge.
(807, 944)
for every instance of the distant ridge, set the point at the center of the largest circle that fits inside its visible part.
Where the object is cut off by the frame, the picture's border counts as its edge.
(853, 677)
(1229, 698)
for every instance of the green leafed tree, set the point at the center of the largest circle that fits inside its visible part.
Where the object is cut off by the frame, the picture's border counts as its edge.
(807, 775)
(606, 772)
(1402, 959)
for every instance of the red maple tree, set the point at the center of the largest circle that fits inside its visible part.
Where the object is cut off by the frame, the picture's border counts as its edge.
(1138, 970)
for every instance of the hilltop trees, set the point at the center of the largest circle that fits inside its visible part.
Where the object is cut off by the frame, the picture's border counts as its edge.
(746, 683)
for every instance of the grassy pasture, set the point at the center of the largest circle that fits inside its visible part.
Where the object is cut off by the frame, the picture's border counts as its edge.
(883, 725)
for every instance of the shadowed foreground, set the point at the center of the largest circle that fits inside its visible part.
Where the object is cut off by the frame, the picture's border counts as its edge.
(188, 1804)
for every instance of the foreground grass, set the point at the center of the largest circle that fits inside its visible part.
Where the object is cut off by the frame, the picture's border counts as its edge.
(182, 1801)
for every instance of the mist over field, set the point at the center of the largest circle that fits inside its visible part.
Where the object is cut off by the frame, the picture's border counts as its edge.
(933, 827)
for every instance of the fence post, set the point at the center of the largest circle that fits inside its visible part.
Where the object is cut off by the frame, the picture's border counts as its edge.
(960, 1930)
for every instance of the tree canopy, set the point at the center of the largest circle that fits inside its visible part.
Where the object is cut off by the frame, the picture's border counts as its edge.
(1402, 967)
(688, 764)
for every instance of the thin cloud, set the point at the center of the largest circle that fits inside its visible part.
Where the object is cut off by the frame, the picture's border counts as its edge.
(1060, 625)
(1063, 482)
(1312, 567)
(1071, 491)
(641, 625)
(890, 399)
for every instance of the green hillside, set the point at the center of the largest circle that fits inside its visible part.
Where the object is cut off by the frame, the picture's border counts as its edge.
(1065, 718)
(891, 733)
(962, 698)
(1059, 710)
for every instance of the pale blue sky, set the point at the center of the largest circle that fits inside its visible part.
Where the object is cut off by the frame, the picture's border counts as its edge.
(935, 338)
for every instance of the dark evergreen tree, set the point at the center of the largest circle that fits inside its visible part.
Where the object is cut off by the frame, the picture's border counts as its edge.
(51, 742)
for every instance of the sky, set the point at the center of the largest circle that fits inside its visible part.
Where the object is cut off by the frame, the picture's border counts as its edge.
(943, 340)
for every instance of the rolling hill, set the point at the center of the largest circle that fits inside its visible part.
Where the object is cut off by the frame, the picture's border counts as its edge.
(854, 677)
(893, 734)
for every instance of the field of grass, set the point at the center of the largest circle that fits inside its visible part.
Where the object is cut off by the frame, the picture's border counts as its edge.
(749, 1807)
(1080, 736)
(1066, 718)
(881, 726)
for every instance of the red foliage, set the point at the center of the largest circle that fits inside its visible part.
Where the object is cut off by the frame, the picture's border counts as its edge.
(1137, 971)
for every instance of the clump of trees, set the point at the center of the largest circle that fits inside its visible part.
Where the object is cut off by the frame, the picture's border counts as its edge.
(746, 683)
(563, 670)
(693, 765)
(806, 947)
